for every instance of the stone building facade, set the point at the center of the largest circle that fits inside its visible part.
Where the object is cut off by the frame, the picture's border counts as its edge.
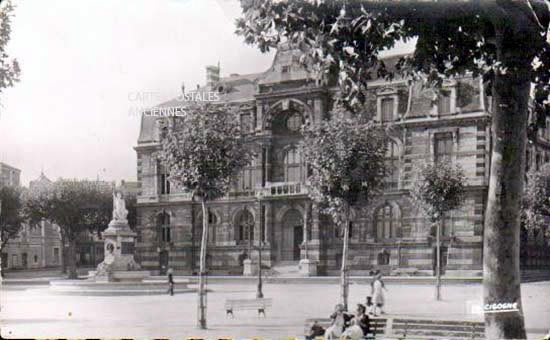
(38, 247)
(269, 203)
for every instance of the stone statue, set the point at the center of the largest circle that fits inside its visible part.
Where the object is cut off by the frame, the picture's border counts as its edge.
(119, 208)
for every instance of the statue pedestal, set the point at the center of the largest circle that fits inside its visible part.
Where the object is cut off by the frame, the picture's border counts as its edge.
(119, 254)
(308, 267)
(248, 270)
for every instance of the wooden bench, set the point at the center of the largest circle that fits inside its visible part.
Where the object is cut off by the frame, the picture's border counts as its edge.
(405, 271)
(408, 328)
(247, 304)
(377, 326)
(403, 328)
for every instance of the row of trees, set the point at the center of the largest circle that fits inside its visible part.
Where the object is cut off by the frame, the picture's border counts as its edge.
(75, 206)
(204, 152)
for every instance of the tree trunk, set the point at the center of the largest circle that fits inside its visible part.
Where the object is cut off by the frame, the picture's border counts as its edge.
(501, 274)
(63, 255)
(438, 261)
(344, 284)
(202, 273)
(71, 260)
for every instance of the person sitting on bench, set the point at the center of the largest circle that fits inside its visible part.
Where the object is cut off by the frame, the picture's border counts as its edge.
(359, 325)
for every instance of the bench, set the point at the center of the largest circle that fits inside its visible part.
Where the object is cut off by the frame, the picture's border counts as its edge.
(377, 326)
(408, 328)
(247, 304)
(403, 328)
(405, 271)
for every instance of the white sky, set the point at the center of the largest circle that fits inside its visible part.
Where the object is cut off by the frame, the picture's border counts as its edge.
(87, 64)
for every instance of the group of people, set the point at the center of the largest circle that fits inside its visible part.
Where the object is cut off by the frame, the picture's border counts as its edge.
(345, 325)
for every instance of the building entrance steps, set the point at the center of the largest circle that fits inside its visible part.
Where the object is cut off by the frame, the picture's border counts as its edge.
(286, 269)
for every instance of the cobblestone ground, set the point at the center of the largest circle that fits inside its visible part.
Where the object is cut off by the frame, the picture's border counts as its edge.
(35, 312)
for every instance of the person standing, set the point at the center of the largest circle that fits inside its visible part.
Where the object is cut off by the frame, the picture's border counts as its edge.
(170, 282)
(378, 299)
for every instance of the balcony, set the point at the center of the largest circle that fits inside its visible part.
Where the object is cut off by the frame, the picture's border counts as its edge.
(283, 189)
(176, 197)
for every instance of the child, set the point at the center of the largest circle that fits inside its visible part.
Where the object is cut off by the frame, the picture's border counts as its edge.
(170, 282)
(369, 304)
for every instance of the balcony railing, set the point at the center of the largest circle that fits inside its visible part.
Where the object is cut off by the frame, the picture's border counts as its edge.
(283, 189)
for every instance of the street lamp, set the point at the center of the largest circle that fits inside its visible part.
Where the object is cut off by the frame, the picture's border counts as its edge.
(259, 293)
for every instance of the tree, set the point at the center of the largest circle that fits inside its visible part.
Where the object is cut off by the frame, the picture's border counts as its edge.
(536, 199)
(346, 157)
(505, 41)
(9, 68)
(11, 214)
(438, 190)
(74, 206)
(203, 151)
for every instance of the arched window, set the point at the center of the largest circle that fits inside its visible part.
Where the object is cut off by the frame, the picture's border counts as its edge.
(163, 224)
(392, 166)
(293, 166)
(387, 222)
(245, 227)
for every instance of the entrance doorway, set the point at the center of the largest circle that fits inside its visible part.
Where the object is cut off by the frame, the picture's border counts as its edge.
(163, 262)
(298, 239)
(24, 260)
(291, 236)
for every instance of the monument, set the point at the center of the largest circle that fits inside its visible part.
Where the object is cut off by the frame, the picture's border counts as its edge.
(119, 263)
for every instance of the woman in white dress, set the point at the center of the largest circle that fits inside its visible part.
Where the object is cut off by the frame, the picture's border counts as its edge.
(377, 293)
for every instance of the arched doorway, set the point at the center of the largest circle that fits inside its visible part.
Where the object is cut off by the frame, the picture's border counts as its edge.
(292, 235)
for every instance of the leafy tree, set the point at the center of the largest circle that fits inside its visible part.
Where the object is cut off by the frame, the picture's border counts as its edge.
(346, 157)
(11, 214)
(203, 150)
(498, 39)
(438, 190)
(9, 69)
(74, 206)
(536, 199)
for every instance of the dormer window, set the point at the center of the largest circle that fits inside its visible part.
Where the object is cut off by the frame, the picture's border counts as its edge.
(386, 108)
(285, 69)
(444, 103)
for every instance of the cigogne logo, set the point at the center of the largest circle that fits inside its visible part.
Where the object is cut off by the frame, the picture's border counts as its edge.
(501, 307)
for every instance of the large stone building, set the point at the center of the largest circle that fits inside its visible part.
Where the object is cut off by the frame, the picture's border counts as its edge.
(269, 201)
(34, 247)
(9, 176)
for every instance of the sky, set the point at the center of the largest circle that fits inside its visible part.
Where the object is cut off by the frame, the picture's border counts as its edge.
(88, 65)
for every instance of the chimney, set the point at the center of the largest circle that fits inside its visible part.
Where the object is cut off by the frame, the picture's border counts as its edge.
(212, 75)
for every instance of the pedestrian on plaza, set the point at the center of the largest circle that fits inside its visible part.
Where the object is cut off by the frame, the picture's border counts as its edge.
(340, 321)
(170, 282)
(360, 325)
(377, 292)
(315, 331)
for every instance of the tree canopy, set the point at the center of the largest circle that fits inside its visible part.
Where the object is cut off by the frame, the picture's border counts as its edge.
(9, 68)
(203, 148)
(454, 38)
(438, 189)
(536, 200)
(346, 157)
(11, 213)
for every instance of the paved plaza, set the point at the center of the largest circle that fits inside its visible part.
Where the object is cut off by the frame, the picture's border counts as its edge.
(32, 311)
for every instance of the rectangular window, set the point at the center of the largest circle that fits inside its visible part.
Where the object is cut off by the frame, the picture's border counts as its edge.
(246, 123)
(443, 148)
(55, 255)
(444, 103)
(386, 109)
